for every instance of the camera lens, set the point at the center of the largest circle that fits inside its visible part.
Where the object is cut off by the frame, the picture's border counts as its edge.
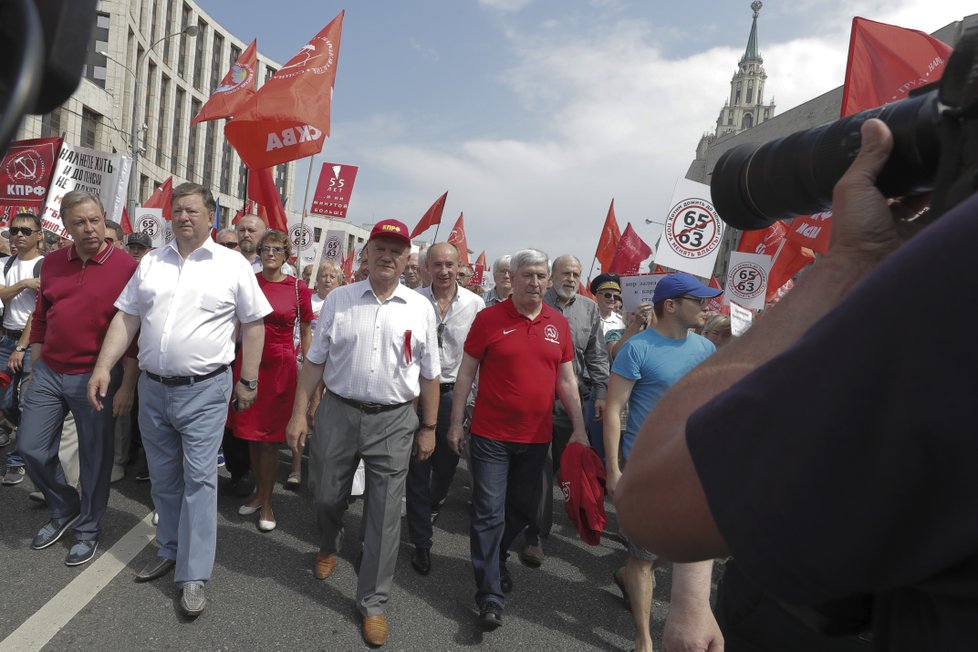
(753, 185)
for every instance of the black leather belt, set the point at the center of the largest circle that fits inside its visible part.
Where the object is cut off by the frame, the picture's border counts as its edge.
(172, 381)
(447, 387)
(367, 408)
(13, 334)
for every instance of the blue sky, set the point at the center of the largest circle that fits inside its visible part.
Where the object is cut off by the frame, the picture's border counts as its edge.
(533, 114)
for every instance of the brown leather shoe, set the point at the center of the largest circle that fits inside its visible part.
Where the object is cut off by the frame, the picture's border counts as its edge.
(375, 630)
(324, 566)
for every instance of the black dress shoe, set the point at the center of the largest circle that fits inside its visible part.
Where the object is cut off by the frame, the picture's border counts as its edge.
(490, 615)
(156, 568)
(421, 560)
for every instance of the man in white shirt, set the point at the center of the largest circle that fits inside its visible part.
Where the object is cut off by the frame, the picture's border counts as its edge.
(429, 480)
(21, 279)
(184, 301)
(376, 350)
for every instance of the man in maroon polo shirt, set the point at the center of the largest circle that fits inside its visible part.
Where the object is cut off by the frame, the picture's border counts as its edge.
(524, 354)
(74, 307)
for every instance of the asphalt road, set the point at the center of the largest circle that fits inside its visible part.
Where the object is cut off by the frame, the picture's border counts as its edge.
(262, 595)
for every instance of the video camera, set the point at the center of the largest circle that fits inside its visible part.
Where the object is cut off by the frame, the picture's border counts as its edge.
(935, 149)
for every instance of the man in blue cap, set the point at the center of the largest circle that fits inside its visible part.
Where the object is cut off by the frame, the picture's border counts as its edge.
(646, 366)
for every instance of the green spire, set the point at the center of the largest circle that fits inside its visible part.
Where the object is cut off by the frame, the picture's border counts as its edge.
(751, 51)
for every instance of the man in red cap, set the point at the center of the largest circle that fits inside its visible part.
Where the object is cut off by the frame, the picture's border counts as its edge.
(376, 350)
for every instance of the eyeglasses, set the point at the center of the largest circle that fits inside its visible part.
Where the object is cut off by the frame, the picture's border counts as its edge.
(270, 250)
(25, 230)
(698, 300)
(611, 295)
(229, 245)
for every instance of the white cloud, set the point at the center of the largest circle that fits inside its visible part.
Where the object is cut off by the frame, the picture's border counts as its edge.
(614, 116)
(505, 5)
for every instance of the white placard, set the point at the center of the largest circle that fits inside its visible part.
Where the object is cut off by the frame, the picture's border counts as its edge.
(740, 319)
(304, 246)
(636, 290)
(80, 168)
(747, 280)
(333, 247)
(693, 231)
(151, 222)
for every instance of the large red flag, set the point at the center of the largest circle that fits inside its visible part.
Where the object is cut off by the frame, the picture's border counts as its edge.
(812, 231)
(608, 242)
(886, 62)
(432, 217)
(161, 198)
(457, 238)
(25, 176)
(348, 265)
(262, 190)
(288, 118)
(237, 87)
(790, 261)
(481, 260)
(125, 223)
(763, 241)
(630, 253)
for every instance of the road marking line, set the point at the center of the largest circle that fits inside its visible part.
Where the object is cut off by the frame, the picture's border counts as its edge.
(35, 632)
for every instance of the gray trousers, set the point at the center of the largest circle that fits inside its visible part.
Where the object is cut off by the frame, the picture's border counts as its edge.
(343, 435)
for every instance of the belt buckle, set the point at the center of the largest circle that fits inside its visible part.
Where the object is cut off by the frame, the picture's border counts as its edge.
(370, 408)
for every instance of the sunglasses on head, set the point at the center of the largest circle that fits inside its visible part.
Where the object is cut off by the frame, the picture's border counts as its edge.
(24, 230)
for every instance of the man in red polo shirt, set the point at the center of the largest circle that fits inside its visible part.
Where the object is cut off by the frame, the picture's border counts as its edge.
(74, 308)
(524, 354)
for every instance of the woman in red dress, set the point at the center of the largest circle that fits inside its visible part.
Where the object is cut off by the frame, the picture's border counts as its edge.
(263, 424)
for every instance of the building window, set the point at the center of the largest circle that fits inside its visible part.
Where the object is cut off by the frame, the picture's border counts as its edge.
(226, 156)
(144, 190)
(730, 118)
(94, 68)
(192, 144)
(148, 134)
(217, 71)
(208, 168)
(242, 179)
(51, 124)
(281, 179)
(199, 55)
(182, 61)
(235, 53)
(767, 113)
(750, 92)
(154, 25)
(317, 234)
(168, 20)
(164, 106)
(90, 128)
(177, 128)
(747, 122)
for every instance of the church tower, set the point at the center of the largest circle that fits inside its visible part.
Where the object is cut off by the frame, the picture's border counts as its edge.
(745, 106)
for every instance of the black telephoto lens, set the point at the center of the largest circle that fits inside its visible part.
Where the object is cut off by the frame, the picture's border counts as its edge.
(753, 186)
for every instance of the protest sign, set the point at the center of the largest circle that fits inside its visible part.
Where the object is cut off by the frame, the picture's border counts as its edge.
(334, 189)
(151, 222)
(747, 278)
(740, 319)
(693, 231)
(99, 173)
(636, 290)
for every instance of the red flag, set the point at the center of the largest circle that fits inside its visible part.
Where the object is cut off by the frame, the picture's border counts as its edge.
(630, 253)
(457, 238)
(481, 260)
(237, 87)
(763, 241)
(886, 62)
(126, 224)
(789, 262)
(25, 175)
(432, 217)
(608, 242)
(237, 217)
(161, 198)
(583, 289)
(288, 118)
(348, 266)
(812, 231)
(262, 190)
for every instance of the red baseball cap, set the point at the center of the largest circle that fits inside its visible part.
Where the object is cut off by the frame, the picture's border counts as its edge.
(390, 229)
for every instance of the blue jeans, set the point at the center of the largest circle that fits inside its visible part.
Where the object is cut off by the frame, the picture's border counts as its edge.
(12, 396)
(182, 427)
(505, 495)
(51, 396)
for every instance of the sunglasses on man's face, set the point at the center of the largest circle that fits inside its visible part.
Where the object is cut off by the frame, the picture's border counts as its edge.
(229, 245)
(611, 296)
(22, 230)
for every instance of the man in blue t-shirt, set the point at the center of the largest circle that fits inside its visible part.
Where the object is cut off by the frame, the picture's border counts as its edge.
(647, 365)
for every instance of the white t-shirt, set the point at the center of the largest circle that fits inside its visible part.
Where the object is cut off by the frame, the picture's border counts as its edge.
(18, 311)
(317, 305)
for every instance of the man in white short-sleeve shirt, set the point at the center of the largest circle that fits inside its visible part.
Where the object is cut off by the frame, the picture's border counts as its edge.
(376, 350)
(185, 300)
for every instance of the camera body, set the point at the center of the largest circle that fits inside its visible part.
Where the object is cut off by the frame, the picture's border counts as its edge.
(935, 133)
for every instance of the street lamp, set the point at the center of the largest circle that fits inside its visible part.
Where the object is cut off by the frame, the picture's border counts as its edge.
(189, 30)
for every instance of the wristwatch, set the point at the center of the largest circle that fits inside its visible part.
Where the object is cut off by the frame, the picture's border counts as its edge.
(250, 384)
(20, 349)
